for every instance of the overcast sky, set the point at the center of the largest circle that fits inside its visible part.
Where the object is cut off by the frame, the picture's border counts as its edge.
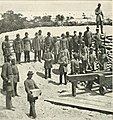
(33, 8)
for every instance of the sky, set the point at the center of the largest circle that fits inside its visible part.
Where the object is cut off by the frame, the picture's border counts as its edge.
(40, 8)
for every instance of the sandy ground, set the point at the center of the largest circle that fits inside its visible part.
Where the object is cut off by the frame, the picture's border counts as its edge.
(45, 110)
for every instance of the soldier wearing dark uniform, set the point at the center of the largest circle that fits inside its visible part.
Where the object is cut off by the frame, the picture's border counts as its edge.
(74, 64)
(64, 42)
(75, 42)
(63, 61)
(99, 17)
(27, 47)
(70, 41)
(18, 48)
(6, 48)
(15, 76)
(98, 43)
(36, 45)
(48, 41)
(92, 59)
(30, 84)
(48, 58)
(88, 37)
(7, 76)
(56, 49)
(42, 42)
(103, 59)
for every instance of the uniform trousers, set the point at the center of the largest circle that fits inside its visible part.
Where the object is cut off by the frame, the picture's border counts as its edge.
(47, 72)
(8, 99)
(101, 25)
(39, 55)
(32, 109)
(18, 57)
(61, 74)
(27, 56)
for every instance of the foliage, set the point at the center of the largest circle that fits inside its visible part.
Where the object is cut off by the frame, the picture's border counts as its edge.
(11, 21)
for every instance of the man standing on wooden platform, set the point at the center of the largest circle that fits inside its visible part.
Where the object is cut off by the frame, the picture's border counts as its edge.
(99, 17)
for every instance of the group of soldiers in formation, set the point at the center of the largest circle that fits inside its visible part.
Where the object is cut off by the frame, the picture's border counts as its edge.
(81, 51)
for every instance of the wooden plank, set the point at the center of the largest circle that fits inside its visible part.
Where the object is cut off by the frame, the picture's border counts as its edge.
(81, 104)
(82, 77)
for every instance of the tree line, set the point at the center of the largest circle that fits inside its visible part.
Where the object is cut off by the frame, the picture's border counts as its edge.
(13, 21)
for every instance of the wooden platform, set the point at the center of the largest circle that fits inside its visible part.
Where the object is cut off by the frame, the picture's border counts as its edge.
(89, 100)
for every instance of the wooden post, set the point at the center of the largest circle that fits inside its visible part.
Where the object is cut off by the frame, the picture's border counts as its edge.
(74, 84)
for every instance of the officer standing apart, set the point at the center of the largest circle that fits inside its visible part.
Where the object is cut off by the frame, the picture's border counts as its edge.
(30, 84)
(27, 47)
(7, 76)
(99, 17)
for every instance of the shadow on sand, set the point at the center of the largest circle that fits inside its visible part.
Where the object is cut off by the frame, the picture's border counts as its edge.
(53, 82)
(56, 71)
(40, 74)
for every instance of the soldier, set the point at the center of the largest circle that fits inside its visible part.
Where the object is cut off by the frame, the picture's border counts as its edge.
(88, 37)
(6, 48)
(70, 41)
(7, 76)
(41, 37)
(66, 53)
(74, 64)
(75, 42)
(30, 84)
(15, 76)
(18, 47)
(98, 43)
(63, 61)
(80, 39)
(27, 47)
(84, 56)
(64, 42)
(56, 49)
(103, 59)
(36, 45)
(48, 58)
(48, 41)
(99, 17)
(92, 60)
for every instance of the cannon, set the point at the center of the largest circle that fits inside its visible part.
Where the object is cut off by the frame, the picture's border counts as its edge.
(102, 78)
(105, 83)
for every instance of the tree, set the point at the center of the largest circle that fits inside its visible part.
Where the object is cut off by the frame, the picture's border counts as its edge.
(12, 21)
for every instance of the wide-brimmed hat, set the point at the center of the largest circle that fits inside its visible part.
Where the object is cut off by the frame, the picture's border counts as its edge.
(30, 73)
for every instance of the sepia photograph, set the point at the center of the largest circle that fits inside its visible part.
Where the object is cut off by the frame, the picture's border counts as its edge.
(56, 60)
